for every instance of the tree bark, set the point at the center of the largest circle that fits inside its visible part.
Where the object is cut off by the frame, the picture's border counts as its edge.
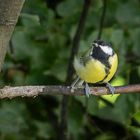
(44, 90)
(9, 12)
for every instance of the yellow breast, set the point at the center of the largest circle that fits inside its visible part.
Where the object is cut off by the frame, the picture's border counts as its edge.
(92, 72)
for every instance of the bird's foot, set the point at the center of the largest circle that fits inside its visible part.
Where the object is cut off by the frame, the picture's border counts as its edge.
(72, 88)
(87, 90)
(111, 88)
(76, 84)
(80, 83)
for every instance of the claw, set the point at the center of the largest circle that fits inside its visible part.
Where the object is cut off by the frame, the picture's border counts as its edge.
(87, 90)
(111, 88)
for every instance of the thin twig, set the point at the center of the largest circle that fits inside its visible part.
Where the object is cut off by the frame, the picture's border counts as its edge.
(33, 91)
(63, 134)
(76, 39)
(102, 19)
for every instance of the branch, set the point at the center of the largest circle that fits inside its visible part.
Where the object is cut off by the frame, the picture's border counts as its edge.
(9, 12)
(33, 91)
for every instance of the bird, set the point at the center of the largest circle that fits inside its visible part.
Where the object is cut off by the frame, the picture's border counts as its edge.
(97, 66)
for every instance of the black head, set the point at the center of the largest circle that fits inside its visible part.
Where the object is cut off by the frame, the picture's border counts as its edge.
(103, 46)
(102, 51)
(101, 43)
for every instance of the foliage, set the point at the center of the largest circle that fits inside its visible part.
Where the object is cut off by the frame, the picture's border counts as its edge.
(38, 54)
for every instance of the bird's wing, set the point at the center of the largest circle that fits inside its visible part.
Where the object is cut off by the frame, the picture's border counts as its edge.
(86, 56)
(84, 60)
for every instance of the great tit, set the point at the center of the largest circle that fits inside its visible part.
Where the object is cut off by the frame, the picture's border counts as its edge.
(98, 65)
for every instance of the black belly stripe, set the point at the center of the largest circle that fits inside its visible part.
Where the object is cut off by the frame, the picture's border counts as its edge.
(106, 75)
(108, 71)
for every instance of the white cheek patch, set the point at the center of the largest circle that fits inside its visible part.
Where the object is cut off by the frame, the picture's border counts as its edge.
(107, 50)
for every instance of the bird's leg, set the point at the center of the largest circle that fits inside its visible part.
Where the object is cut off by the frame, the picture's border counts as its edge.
(111, 88)
(87, 89)
(74, 84)
(77, 83)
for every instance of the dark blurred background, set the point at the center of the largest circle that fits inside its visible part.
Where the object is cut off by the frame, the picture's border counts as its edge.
(38, 54)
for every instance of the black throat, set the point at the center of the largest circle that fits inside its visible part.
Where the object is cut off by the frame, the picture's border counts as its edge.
(100, 55)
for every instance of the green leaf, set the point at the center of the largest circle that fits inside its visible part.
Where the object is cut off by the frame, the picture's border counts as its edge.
(105, 136)
(76, 117)
(36, 7)
(127, 14)
(123, 109)
(134, 34)
(116, 37)
(29, 20)
(44, 130)
(12, 119)
(69, 8)
(137, 116)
